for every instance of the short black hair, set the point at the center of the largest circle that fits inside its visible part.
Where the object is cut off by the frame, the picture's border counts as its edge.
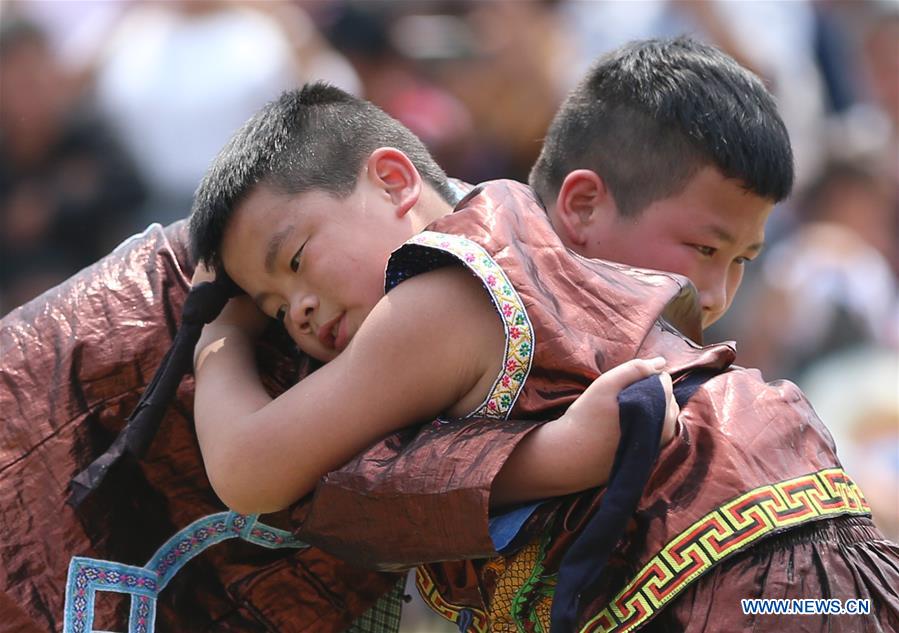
(652, 113)
(315, 137)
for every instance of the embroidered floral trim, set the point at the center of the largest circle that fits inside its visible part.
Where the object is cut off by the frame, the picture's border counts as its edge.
(519, 349)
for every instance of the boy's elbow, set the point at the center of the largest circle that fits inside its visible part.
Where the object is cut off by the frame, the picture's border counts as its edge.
(248, 492)
(231, 485)
(240, 498)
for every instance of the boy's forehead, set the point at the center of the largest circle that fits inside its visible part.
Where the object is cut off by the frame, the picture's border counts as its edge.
(261, 221)
(710, 189)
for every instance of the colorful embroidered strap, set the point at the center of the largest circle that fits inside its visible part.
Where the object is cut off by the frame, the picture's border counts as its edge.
(87, 576)
(429, 250)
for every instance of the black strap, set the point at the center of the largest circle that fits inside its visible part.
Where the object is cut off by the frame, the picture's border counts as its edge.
(203, 304)
(641, 416)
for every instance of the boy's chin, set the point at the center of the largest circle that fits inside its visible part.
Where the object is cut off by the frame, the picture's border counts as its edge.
(322, 356)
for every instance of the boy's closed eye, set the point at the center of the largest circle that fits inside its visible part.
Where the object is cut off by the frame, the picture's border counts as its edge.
(711, 251)
(294, 264)
(295, 260)
(702, 249)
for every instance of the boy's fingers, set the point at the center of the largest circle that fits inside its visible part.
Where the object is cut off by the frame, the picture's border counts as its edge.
(630, 372)
(201, 274)
(672, 410)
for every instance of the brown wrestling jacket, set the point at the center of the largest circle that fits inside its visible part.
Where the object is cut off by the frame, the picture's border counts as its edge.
(751, 478)
(73, 364)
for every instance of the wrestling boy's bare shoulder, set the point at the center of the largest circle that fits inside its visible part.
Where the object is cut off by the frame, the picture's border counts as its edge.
(443, 324)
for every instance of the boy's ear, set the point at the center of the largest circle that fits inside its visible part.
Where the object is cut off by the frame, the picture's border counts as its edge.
(583, 202)
(391, 171)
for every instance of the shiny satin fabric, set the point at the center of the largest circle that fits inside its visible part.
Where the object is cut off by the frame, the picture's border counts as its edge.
(844, 559)
(426, 495)
(73, 363)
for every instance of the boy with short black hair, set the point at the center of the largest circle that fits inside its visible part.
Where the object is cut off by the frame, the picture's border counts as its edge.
(667, 144)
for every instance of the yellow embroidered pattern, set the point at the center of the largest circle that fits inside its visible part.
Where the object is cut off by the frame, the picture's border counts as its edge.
(729, 528)
(519, 332)
(472, 620)
(518, 577)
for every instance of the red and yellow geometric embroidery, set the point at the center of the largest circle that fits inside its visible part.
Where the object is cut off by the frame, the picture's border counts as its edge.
(467, 619)
(724, 531)
(519, 350)
(521, 597)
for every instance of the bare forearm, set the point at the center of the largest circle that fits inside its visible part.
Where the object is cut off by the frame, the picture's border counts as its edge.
(576, 451)
(555, 459)
(228, 393)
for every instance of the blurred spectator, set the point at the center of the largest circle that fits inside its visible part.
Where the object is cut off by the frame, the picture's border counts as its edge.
(68, 192)
(829, 285)
(394, 53)
(857, 392)
(512, 83)
(177, 78)
(478, 81)
(74, 29)
(858, 50)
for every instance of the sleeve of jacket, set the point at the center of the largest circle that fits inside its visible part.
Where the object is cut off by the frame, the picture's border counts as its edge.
(424, 495)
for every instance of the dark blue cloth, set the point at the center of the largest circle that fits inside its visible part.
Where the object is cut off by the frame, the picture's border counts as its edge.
(641, 417)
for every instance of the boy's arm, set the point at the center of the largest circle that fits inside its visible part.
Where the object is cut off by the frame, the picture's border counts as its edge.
(576, 451)
(431, 343)
(402, 367)
(440, 483)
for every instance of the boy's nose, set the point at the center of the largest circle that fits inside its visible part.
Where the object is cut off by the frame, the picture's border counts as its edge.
(713, 299)
(302, 309)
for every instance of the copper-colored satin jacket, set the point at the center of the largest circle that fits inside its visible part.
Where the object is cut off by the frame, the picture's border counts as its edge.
(73, 363)
(750, 459)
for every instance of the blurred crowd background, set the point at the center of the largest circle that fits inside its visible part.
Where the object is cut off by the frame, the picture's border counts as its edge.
(111, 111)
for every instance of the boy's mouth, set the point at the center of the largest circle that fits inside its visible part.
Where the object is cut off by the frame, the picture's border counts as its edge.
(341, 335)
(329, 333)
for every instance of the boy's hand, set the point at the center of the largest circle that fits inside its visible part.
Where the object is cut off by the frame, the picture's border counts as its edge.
(600, 400)
(241, 322)
(242, 314)
(576, 451)
(201, 274)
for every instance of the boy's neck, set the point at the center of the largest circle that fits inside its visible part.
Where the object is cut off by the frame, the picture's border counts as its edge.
(431, 207)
